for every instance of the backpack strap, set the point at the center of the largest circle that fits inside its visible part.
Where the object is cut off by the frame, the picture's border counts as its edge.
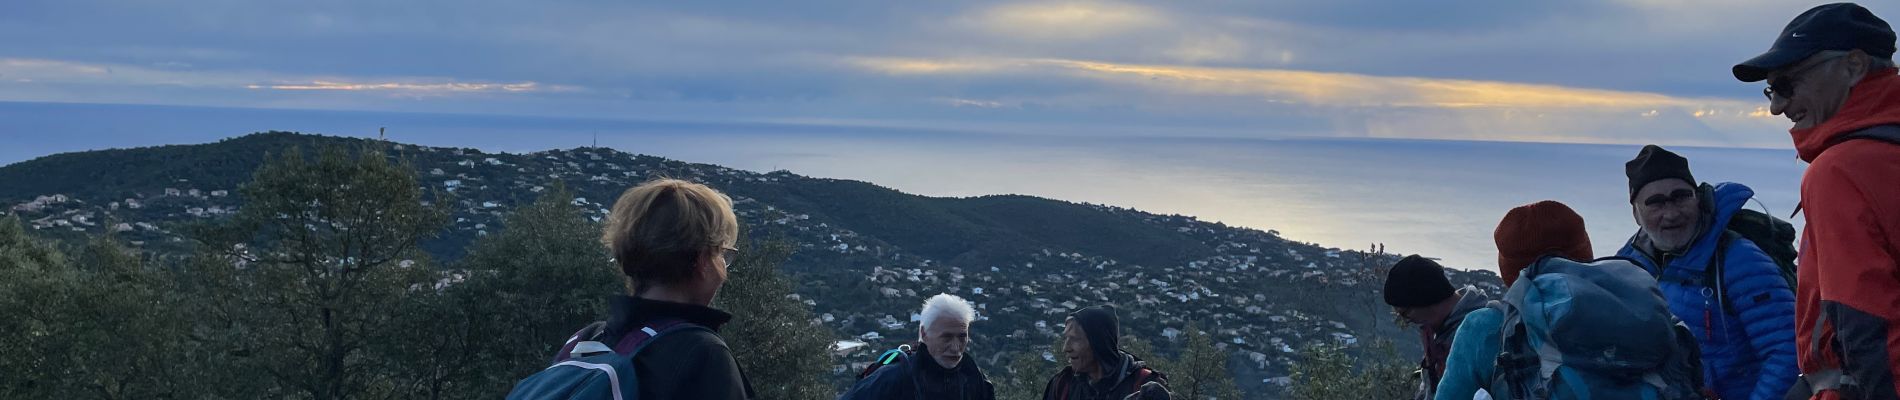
(634, 340)
(584, 337)
(1141, 378)
(1717, 263)
(898, 355)
(1884, 133)
(1062, 388)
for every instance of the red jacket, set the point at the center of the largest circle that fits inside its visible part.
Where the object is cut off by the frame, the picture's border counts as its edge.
(1847, 300)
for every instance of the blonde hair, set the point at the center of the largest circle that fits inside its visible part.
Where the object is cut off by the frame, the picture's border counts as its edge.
(658, 230)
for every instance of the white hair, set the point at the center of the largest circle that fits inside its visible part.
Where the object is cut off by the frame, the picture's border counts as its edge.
(946, 305)
(1873, 62)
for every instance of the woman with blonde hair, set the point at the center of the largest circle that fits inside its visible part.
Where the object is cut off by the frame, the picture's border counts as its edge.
(673, 241)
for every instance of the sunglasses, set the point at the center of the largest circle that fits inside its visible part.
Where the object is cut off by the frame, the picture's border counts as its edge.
(1784, 86)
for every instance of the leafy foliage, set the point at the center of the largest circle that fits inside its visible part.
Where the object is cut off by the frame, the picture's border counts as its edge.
(103, 325)
(1332, 371)
(775, 344)
(1201, 371)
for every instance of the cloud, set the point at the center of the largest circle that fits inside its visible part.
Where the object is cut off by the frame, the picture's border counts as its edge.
(1064, 21)
(1271, 67)
(1369, 105)
(80, 73)
(1313, 87)
(445, 87)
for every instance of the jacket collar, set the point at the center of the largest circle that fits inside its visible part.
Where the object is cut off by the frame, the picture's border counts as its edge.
(1873, 101)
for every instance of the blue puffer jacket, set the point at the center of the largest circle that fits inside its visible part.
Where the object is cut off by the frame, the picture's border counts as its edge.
(1746, 354)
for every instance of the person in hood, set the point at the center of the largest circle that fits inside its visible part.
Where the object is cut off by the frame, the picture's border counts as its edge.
(938, 367)
(1098, 369)
(1831, 73)
(1527, 234)
(1728, 291)
(1419, 292)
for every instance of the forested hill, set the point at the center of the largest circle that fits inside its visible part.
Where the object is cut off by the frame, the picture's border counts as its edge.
(865, 255)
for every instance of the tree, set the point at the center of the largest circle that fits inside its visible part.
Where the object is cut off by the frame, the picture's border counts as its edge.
(1323, 372)
(784, 351)
(316, 268)
(519, 293)
(101, 325)
(1028, 373)
(1331, 370)
(32, 278)
(1201, 370)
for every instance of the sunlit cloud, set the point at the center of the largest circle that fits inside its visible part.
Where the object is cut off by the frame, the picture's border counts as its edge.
(904, 66)
(1322, 88)
(1360, 105)
(1064, 20)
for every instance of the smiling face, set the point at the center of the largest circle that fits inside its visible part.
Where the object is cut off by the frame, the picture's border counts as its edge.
(1810, 92)
(1668, 211)
(1075, 345)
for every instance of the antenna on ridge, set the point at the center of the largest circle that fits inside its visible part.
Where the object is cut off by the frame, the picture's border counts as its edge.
(596, 139)
(381, 133)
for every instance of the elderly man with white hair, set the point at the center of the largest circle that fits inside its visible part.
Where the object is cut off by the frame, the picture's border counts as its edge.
(944, 372)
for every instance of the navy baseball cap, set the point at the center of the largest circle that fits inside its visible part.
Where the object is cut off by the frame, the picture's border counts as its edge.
(1838, 26)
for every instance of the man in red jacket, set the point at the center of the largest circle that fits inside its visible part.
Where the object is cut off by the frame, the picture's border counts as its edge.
(1831, 71)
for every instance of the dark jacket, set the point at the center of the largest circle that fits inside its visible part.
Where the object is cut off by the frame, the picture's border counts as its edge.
(919, 377)
(1748, 347)
(1127, 378)
(682, 365)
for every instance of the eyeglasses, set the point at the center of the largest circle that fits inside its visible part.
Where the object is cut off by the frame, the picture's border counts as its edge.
(730, 254)
(1675, 197)
(1784, 87)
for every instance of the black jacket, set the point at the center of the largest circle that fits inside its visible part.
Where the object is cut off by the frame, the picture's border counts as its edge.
(1118, 384)
(919, 377)
(688, 364)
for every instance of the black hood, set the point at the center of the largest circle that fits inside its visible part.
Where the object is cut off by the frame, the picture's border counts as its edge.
(1103, 329)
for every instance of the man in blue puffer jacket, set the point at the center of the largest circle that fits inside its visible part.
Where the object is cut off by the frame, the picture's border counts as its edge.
(1729, 292)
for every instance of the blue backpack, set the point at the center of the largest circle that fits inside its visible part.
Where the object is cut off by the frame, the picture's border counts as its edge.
(586, 368)
(1599, 330)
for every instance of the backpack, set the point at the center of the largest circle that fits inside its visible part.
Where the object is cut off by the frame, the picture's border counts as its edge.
(1773, 235)
(586, 368)
(898, 355)
(1599, 330)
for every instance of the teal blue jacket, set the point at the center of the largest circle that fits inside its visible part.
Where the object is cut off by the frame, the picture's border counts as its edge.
(1474, 352)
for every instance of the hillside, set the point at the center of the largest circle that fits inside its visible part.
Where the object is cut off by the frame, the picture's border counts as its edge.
(867, 254)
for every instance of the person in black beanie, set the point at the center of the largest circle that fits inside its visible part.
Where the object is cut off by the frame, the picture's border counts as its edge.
(1684, 230)
(1097, 367)
(1418, 291)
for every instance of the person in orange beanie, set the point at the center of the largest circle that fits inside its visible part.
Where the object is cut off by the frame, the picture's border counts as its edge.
(1528, 233)
(1532, 231)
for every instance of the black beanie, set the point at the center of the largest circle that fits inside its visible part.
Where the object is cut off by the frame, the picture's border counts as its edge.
(1416, 282)
(1655, 164)
(1103, 329)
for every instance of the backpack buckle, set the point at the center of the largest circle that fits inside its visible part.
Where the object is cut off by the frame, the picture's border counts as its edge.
(588, 347)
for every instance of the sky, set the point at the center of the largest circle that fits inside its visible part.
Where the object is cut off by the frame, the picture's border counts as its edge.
(1230, 110)
(1609, 71)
